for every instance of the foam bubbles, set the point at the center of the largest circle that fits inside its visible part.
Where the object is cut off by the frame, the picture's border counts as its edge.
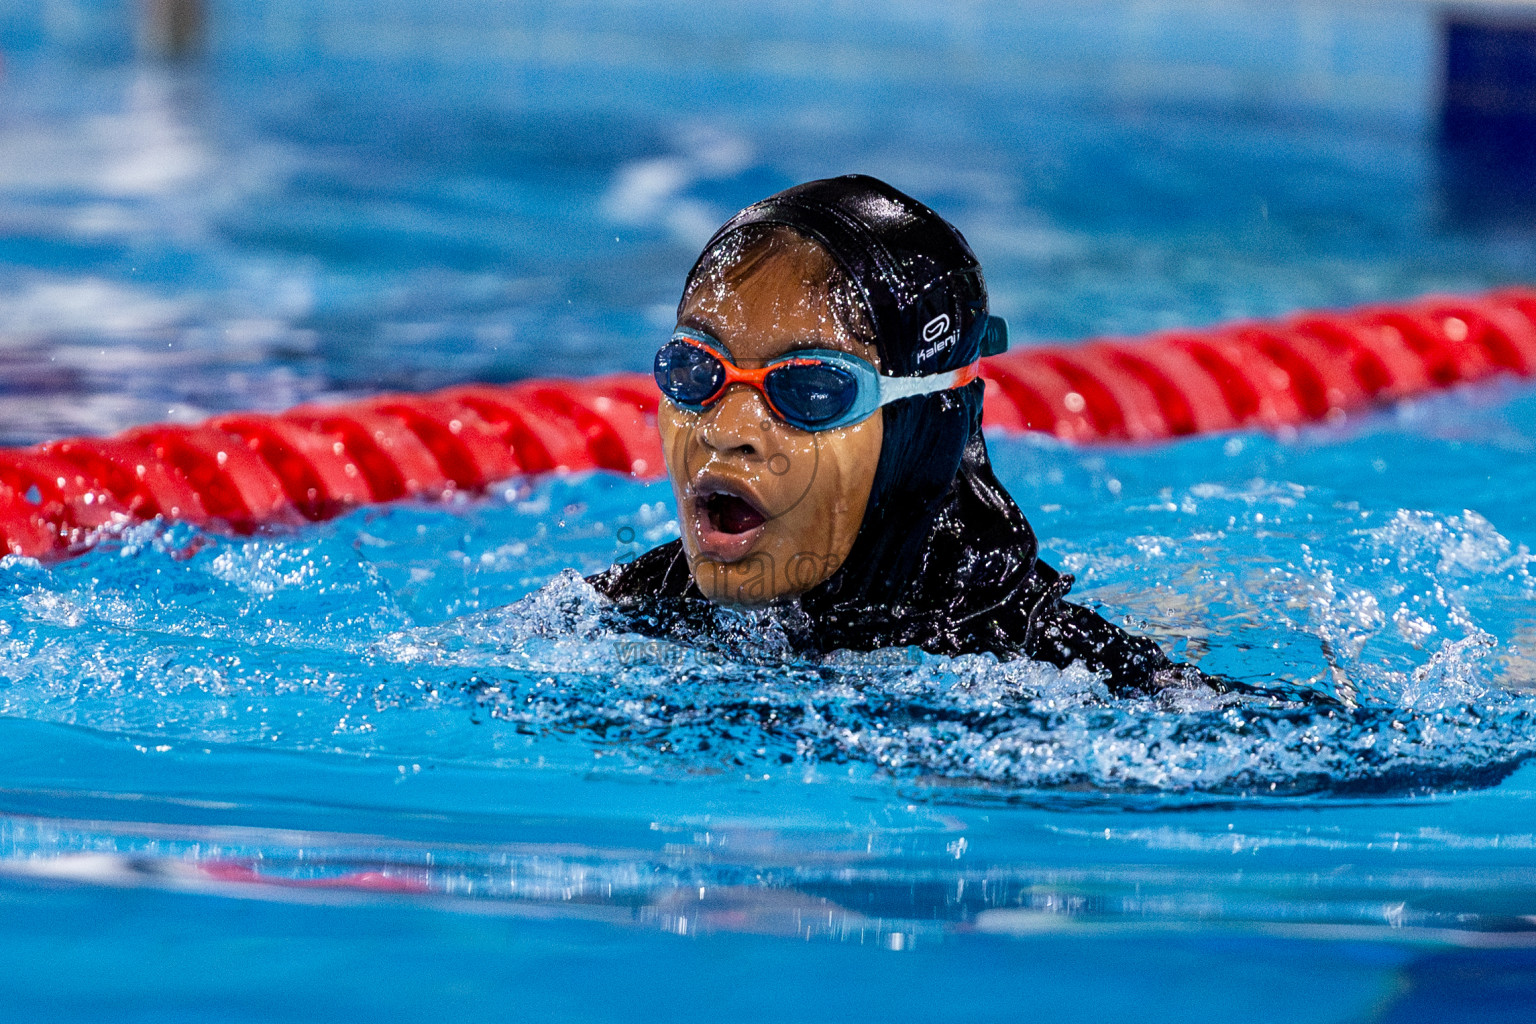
(459, 633)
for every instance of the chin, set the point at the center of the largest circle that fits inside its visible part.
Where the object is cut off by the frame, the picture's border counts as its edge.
(760, 576)
(753, 578)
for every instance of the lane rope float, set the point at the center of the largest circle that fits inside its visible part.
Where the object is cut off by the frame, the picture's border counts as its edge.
(240, 471)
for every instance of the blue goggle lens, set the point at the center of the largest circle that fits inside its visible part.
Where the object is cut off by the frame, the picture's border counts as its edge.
(687, 374)
(811, 396)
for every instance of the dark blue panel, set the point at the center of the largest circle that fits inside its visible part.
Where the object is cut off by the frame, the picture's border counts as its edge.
(1490, 84)
(1488, 121)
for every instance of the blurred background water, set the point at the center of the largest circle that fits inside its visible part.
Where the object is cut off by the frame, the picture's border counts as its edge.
(342, 197)
(398, 766)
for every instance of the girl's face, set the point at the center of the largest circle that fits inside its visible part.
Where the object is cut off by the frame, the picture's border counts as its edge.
(767, 510)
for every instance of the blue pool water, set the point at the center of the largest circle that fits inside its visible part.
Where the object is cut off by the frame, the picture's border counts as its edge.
(402, 765)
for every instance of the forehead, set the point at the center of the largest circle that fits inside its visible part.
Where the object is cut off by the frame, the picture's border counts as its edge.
(772, 302)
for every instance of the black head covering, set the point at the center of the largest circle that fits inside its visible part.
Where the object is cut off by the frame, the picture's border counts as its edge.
(922, 289)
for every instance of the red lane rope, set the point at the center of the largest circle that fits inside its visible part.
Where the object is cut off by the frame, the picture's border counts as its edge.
(245, 470)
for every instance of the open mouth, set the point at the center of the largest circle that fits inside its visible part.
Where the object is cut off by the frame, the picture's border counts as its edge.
(730, 514)
(727, 524)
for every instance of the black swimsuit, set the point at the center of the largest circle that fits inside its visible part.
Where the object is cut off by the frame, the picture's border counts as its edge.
(979, 587)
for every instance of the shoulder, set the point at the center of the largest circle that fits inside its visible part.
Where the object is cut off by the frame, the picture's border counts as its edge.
(655, 595)
(660, 572)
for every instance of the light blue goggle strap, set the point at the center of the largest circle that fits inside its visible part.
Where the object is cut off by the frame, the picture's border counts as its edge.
(875, 390)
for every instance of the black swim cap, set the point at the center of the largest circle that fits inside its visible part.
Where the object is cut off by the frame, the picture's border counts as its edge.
(919, 280)
(922, 289)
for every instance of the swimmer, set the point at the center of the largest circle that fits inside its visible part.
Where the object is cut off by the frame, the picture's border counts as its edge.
(821, 423)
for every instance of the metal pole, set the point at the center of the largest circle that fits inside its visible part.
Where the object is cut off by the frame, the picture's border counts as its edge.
(171, 29)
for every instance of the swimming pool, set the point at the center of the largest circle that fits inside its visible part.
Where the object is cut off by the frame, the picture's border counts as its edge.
(398, 765)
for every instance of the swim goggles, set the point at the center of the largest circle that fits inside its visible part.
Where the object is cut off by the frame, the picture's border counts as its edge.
(815, 389)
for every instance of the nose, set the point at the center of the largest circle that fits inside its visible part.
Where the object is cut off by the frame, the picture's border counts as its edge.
(734, 425)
